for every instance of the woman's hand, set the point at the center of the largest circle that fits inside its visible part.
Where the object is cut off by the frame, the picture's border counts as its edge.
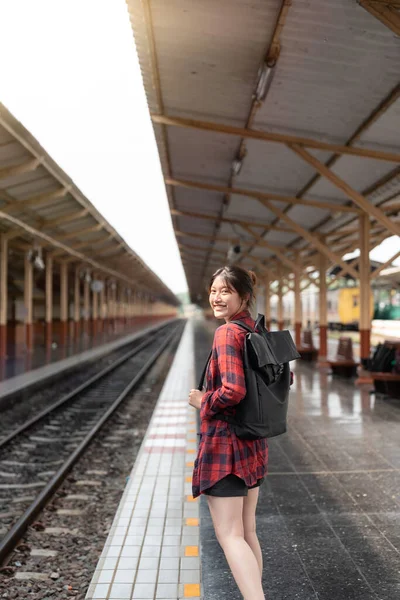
(195, 397)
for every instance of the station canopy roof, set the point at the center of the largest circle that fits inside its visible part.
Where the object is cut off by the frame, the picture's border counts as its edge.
(277, 124)
(40, 205)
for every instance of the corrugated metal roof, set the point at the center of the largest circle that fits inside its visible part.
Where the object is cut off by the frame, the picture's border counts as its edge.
(38, 199)
(334, 80)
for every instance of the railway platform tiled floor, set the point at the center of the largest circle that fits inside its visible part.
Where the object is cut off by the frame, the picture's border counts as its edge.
(329, 511)
(152, 550)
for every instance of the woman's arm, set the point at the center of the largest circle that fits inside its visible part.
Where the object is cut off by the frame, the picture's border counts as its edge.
(230, 364)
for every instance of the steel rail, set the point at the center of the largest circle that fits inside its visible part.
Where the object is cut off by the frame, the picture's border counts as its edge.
(13, 536)
(78, 390)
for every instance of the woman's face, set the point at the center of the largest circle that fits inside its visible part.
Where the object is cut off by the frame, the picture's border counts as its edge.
(225, 301)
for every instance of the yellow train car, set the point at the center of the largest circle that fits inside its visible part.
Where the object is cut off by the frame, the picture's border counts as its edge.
(344, 308)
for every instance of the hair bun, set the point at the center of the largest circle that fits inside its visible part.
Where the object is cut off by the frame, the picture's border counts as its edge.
(253, 278)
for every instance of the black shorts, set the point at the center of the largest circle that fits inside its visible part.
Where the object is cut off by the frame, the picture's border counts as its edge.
(231, 486)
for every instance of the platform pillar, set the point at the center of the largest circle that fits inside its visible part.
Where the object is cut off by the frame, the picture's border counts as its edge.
(134, 306)
(95, 312)
(117, 307)
(28, 303)
(280, 299)
(114, 306)
(323, 312)
(297, 304)
(102, 307)
(86, 306)
(3, 294)
(267, 300)
(365, 289)
(132, 309)
(124, 303)
(49, 303)
(139, 305)
(63, 302)
(77, 304)
(109, 306)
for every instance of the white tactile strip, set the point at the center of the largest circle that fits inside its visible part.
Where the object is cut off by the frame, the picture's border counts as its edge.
(152, 550)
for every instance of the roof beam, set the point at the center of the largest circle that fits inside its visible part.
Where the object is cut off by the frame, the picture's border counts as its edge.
(283, 258)
(312, 239)
(181, 213)
(275, 249)
(73, 234)
(65, 219)
(385, 11)
(355, 196)
(394, 3)
(34, 200)
(260, 195)
(375, 274)
(19, 169)
(376, 113)
(356, 136)
(85, 244)
(57, 244)
(279, 138)
(265, 76)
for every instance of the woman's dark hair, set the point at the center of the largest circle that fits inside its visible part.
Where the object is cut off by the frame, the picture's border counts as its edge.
(238, 279)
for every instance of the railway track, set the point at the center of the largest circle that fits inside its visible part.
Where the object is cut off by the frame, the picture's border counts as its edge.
(20, 406)
(36, 457)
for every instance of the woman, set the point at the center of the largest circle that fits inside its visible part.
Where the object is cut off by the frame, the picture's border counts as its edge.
(230, 470)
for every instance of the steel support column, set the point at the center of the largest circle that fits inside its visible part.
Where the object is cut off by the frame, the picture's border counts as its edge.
(114, 306)
(49, 301)
(77, 304)
(280, 318)
(95, 312)
(86, 306)
(365, 289)
(28, 303)
(3, 294)
(102, 308)
(267, 300)
(323, 311)
(63, 301)
(297, 304)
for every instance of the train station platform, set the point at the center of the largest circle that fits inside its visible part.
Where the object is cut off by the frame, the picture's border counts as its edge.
(24, 370)
(328, 516)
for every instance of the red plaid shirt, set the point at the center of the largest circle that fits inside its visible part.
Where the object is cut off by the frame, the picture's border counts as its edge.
(220, 451)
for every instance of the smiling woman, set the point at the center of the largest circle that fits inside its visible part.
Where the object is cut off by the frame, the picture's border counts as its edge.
(231, 290)
(229, 469)
(84, 102)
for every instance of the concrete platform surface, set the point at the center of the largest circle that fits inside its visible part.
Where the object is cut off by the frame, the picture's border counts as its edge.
(329, 512)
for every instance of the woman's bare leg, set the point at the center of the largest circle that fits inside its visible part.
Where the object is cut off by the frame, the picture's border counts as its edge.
(249, 525)
(227, 516)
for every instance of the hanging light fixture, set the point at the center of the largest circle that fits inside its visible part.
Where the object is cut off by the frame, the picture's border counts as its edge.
(35, 257)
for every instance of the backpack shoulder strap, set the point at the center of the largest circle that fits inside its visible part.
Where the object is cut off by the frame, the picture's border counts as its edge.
(243, 325)
(258, 325)
(260, 322)
(203, 375)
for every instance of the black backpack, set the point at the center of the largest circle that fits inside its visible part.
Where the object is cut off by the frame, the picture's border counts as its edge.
(262, 412)
(382, 359)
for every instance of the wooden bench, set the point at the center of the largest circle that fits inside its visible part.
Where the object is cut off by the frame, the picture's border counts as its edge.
(344, 363)
(387, 382)
(307, 350)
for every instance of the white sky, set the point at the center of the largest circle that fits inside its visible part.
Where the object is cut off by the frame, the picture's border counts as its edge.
(70, 74)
